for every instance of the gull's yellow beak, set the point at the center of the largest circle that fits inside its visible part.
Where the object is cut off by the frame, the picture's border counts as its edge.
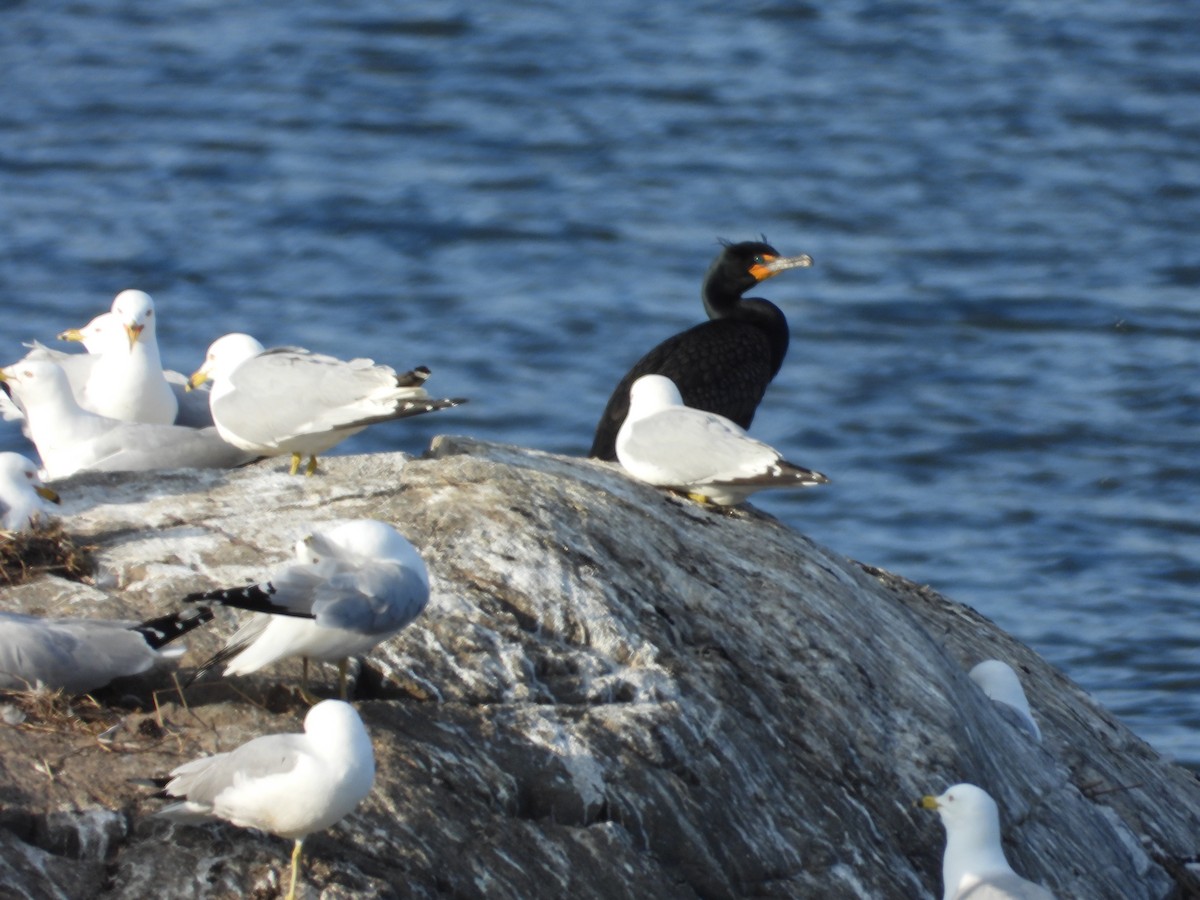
(199, 377)
(134, 332)
(71, 334)
(928, 802)
(773, 265)
(47, 494)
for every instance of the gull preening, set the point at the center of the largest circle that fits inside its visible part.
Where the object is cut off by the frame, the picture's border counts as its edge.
(289, 785)
(23, 496)
(664, 443)
(974, 866)
(352, 585)
(70, 439)
(78, 655)
(289, 400)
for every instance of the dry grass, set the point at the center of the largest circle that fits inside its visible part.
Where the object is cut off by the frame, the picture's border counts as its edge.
(59, 712)
(46, 550)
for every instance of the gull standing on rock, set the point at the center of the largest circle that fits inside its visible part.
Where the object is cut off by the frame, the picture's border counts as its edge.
(290, 400)
(353, 584)
(288, 785)
(23, 496)
(974, 866)
(127, 382)
(664, 443)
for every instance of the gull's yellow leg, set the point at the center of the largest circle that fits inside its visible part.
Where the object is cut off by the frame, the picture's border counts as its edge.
(291, 895)
(312, 465)
(296, 458)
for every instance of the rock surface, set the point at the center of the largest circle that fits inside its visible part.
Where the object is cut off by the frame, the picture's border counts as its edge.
(614, 693)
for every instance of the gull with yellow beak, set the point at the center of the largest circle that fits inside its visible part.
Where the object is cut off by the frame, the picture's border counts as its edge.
(70, 439)
(974, 866)
(288, 785)
(290, 400)
(23, 496)
(127, 382)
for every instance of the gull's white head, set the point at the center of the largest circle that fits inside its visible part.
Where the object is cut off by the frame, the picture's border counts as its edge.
(134, 311)
(32, 380)
(972, 822)
(20, 489)
(964, 806)
(224, 355)
(651, 393)
(102, 334)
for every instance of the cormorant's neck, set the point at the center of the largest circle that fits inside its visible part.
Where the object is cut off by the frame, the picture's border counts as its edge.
(720, 301)
(762, 314)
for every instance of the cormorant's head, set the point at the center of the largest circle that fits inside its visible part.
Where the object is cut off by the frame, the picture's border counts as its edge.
(741, 266)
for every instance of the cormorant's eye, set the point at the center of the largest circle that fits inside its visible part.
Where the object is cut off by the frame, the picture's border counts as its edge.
(759, 261)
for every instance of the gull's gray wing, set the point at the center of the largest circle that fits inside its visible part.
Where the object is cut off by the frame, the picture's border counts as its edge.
(693, 446)
(287, 391)
(139, 447)
(367, 597)
(76, 655)
(372, 598)
(202, 780)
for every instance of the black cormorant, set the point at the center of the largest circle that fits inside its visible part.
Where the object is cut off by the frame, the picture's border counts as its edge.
(725, 364)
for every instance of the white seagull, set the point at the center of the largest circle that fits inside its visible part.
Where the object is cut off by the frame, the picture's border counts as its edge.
(289, 785)
(105, 334)
(23, 496)
(974, 866)
(705, 455)
(70, 439)
(1000, 682)
(127, 382)
(290, 400)
(353, 584)
(78, 655)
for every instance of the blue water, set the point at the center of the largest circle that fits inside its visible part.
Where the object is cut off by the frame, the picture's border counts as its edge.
(995, 357)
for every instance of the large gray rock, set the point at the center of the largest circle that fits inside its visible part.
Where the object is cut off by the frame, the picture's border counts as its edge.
(613, 693)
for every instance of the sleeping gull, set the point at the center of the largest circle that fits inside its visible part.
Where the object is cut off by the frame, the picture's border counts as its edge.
(290, 400)
(22, 495)
(998, 680)
(974, 866)
(69, 439)
(353, 585)
(289, 785)
(78, 655)
(127, 382)
(664, 443)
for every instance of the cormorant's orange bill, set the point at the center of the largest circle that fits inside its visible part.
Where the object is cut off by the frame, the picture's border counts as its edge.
(773, 265)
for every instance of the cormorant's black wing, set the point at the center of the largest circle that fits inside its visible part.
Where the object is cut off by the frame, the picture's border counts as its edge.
(721, 366)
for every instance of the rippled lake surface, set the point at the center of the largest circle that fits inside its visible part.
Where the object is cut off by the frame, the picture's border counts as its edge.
(995, 357)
